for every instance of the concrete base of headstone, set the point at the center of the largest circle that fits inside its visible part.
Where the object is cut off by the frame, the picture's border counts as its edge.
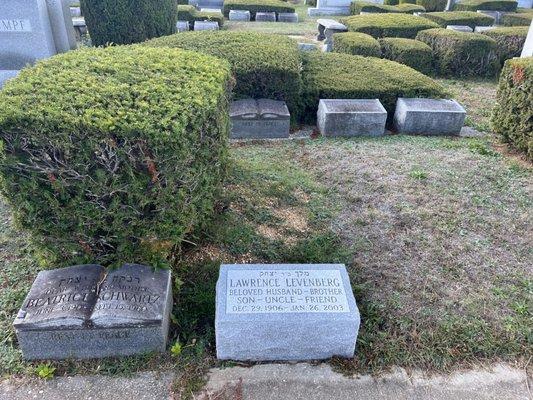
(206, 26)
(82, 312)
(285, 312)
(259, 119)
(497, 15)
(527, 50)
(5, 75)
(460, 28)
(351, 117)
(326, 11)
(265, 17)
(211, 10)
(428, 116)
(239, 15)
(182, 26)
(288, 17)
(480, 29)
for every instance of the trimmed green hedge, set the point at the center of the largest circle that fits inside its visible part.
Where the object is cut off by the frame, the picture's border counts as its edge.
(429, 5)
(511, 118)
(191, 14)
(469, 18)
(357, 7)
(356, 43)
(519, 18)
(510, 40)
(344, 76)
(410, 52)
(387, 25)
(460, 53)
(491, 5)
(128, 21)
(125, 166)
(255, 6)
(264, 65)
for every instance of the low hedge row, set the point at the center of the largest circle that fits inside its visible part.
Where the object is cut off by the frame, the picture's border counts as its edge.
(356, 43)
(410, 52)
(357, 7)
(264, 65)
(461, 54)
(255, 6)
(125, 166)
(387, 25)
(429, 5)
(492, 5)
(510, 40)
(345, 76)
(191, 14)
(469, 18)
(520, 18)
(511, 118)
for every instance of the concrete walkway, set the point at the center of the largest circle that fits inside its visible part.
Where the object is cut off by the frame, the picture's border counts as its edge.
(283, 382)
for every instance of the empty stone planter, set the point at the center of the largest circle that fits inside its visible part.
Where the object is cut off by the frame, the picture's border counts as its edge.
(239, 15)
(265, 17)
(288, 17)
(351, 117)
(205, 26)
(428, 117)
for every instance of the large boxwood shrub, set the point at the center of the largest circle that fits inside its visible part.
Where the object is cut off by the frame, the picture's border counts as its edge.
(357, 7)
(519, 18)
(468, 18)
(344, 76)
(116, 154)
(410, 52)
(128, 21)
(460, 53)
(492, 5)
(512, 117)
(429, 5)
(356, 43)
(255, 6)
(510, 40)
(264, 65)
(387, 25)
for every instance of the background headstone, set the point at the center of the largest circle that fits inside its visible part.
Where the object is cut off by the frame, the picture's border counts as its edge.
(285, 312)
(527, 50)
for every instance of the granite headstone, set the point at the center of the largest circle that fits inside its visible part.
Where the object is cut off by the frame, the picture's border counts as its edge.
(239, 15)
(285, 312)
(85, 311)
(259, 119)
(265, 17)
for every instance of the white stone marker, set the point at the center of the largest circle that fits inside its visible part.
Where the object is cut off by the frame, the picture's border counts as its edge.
(206, 26)
(285, 312)
(527, 50)
(239, 15)
(460, 28)
(265, 17)
(330, 7)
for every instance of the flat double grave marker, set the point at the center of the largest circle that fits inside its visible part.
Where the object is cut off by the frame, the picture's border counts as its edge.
(285, 312)
(85, 312)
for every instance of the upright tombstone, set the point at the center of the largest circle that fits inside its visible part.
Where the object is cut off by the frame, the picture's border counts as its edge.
(86, 312)
(527, 50)
(288, 17)
(330, 7)
(206, 26)
(259, 119)
(285, 312)
(239, 15)
(265, 17)
(31, 30)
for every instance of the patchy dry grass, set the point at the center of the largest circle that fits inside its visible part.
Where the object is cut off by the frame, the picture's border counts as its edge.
(477, 96)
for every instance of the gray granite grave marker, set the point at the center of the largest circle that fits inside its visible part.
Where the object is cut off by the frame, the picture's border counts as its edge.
(265, 17)
(85, 312)
(351, 117)
(285, 312)
(428, 116)
(527, 50)
(330, 7)
(460, 28)
(259, 119)
(206, 26)
(182, 26)
(288, 17)
(239, 15)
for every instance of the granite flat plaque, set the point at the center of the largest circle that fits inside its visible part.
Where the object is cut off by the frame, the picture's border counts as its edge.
(85, 311)
(285, 312)
(259, 119)
(428, 116)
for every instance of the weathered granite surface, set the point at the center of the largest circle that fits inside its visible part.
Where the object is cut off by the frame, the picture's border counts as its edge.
(182, 26)
(206, 26)
(61, 24)
(330, 7)
(428, 116)
(259, 119)
(86, 312)
(265, 17)
(326, 29)
(239, 15)
(497, 15)
(288, 17)
(527, 50)
(351, 117)
(285, 312)
(459, 28)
